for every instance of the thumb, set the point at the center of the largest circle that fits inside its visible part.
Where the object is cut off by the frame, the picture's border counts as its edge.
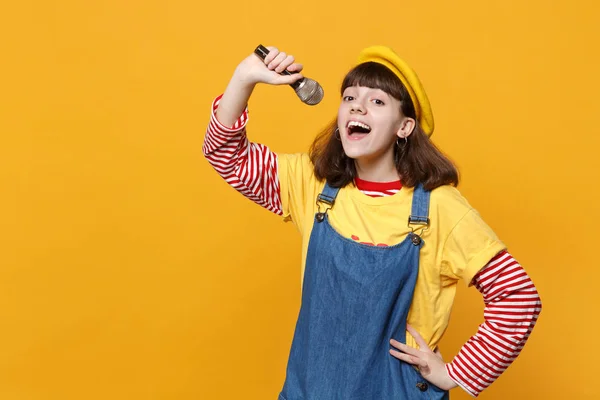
(287, 79)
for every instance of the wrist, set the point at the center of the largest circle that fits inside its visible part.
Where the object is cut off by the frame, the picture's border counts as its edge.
(243, 80)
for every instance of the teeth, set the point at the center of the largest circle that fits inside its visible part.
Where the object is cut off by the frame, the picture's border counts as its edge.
(359, 124)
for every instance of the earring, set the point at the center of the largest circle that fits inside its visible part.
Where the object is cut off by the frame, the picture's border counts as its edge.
(337, 134)
(403, 144)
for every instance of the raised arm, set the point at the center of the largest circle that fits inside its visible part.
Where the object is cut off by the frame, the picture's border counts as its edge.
(250, 168)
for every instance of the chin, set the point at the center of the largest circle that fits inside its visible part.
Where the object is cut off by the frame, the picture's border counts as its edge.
(353, 154)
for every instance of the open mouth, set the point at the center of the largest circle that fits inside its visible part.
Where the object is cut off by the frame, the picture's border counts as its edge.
(357, 129)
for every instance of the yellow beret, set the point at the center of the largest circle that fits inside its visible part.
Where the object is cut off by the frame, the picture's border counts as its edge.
(386, 56)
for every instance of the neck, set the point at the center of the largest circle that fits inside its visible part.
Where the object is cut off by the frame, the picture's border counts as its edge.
(382, 170)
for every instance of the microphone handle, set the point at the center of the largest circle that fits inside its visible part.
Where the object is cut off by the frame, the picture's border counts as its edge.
(262, 52)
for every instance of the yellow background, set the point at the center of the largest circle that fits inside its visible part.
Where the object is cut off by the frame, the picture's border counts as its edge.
(129, 270)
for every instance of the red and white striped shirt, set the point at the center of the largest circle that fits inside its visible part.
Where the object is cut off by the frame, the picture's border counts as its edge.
(512, 303)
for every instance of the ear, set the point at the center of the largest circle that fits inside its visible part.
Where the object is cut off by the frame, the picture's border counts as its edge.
(407, 126)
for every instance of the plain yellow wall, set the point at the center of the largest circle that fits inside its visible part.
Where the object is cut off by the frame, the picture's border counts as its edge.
(129, 270)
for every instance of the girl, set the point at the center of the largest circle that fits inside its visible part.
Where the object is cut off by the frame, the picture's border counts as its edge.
(386, 237)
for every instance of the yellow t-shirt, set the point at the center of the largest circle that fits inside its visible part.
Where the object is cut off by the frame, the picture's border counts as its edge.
(457, 244)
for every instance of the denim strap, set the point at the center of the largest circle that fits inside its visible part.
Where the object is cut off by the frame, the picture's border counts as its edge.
(420, 206)
(328, 195)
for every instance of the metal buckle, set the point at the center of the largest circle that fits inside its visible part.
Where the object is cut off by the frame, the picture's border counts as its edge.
(417, 222)
(423, 225)
(323, 199)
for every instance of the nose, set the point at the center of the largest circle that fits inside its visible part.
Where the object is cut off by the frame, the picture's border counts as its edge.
(357, 107)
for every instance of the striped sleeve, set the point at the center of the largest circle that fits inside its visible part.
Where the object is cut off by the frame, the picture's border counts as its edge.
(512, 307)
(250, 168)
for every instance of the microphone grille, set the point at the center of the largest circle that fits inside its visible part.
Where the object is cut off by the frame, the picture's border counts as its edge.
(310, 92)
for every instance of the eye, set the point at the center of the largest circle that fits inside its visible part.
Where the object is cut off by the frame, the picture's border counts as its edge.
(348, 98)
(378, 102)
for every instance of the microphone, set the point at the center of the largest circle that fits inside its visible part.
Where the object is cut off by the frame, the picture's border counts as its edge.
(308, 90)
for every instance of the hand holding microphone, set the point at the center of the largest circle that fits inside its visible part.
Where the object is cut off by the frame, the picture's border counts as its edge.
(308, 90)
(264, 65)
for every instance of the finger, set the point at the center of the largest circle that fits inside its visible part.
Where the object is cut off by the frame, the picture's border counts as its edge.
(273, 52)
(404, 348)
(295, 67)
(289, 60)
(423, 346)
(277, 60)
(288, 79)
(409, 359)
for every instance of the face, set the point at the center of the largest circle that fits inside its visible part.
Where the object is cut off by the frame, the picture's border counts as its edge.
(369, 121)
